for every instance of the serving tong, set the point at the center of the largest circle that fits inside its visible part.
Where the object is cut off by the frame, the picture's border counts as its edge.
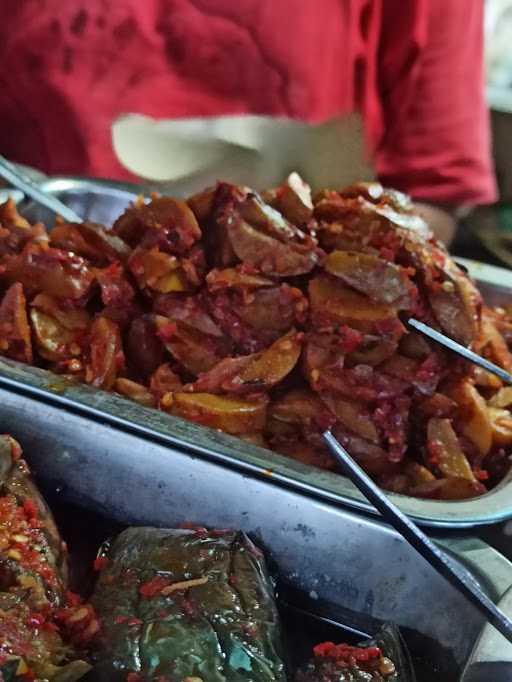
(456, 575)
(21, 181)
(461, 350)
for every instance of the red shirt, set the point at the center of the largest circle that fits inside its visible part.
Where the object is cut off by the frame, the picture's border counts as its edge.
(413, 69)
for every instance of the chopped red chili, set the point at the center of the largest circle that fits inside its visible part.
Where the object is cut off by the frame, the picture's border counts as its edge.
(134, 677)
(346, 652)
(73, 599)
(16, 450)
(153, 587)
(134, 622)
(30, 508)
(100, 563)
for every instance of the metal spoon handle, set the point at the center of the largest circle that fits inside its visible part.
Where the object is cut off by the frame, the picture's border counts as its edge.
(457, 576)
(21, 181)
(461, 350)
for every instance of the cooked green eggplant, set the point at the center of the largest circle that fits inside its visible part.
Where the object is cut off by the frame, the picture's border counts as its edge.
(32, 580)
(176, 605)
(382, 659)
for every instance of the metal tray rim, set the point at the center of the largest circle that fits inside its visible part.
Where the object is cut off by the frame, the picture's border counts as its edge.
(149, 423)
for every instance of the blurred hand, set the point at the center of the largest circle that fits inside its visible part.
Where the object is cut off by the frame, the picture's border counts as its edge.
(442, 221)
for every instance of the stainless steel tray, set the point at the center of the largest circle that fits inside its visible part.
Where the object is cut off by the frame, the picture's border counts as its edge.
(353, 568)
(100, 201)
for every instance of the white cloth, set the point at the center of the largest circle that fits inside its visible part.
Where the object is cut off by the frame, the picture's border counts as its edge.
(187, 155)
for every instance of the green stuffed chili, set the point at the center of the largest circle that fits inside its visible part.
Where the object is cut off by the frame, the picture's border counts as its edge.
(176, 605)
(33, 580)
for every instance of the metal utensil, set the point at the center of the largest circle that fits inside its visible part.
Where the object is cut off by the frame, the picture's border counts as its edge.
(91, 198)
(13, 194)
(457, 576)
(23, 182)
(460, 350)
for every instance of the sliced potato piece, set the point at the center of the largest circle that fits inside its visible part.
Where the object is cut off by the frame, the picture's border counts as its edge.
(459, 489)
(106, 356)
(202, 203)
(254, 372)
(373, 350)
(197, 352)
(473, 416)
(395, 483)
(267, 219)
(501, 421)
(354, 416)
(164, 219)
(232, 415)
(236, 278)
(15, 340)
(59, 329)
(293, 200)
(437, 405)
(134, 391)
(273, 309)
(163, 381)
(53, 271)
(90, 241)
(301, 407)
(382, 281)
(271, 366)
(424, 375)
(454, 316)
(172, 281)
(52, 340)
(503, 398)
(374, 459)
(493, 343)
(279, 251)
(68, 316)
(445, 450)
(418, 474)
(447, 489)
(159, 271)
(485, 379)
(414, 345)
(332, 303)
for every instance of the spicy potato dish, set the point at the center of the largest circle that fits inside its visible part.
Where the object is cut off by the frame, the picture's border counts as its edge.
(273, 317)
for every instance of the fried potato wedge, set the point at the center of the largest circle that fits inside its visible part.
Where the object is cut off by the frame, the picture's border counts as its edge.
(232, 415)
(445, 450)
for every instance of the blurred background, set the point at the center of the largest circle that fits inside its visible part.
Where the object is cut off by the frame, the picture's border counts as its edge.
(498, 64)
(491, 227)
(406, 84)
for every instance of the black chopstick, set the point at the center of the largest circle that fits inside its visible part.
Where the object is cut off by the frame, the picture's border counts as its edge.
(457, 576)
(461, 350)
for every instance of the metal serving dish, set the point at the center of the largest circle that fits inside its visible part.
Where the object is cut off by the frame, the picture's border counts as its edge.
(103, 202)
(99, 201)
(344, 565)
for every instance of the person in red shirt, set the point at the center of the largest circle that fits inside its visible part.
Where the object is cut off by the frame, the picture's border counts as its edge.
(412, 69)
